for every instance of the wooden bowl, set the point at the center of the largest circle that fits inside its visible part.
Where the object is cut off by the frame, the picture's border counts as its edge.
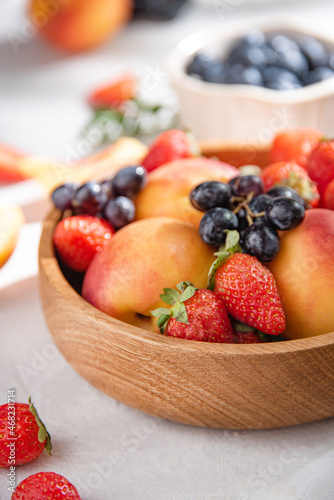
(228, 386)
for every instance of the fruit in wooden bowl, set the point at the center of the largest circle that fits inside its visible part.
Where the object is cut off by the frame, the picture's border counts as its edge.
(251, 386)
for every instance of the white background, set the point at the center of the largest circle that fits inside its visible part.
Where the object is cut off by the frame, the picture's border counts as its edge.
(110, 451)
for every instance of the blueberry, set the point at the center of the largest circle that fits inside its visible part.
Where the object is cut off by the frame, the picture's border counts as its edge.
(254, 38)
(247, 184)
(282, 43)
(252, 76)
(211, 194)
(246, 55)
(120, 211)
(286, 191)
(233, 73)
(318, 74)
(215, 72)
(285, 213)
(280, 79)
(199, 64)
(262, 241)
(213, 224)
(90, 199)
(129, 181)
(314, 51)
(62, 196)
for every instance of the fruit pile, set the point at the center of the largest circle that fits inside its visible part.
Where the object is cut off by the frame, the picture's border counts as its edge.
(274, 61)
(241, 245)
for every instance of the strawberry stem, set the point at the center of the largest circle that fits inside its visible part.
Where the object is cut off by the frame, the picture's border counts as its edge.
(43, 434)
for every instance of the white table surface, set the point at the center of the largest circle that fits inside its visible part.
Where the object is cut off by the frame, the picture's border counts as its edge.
(110, 451)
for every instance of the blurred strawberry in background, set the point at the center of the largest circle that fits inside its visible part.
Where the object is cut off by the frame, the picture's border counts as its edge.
(76, 25)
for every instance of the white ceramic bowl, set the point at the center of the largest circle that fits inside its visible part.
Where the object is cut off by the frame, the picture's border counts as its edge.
(246, 112)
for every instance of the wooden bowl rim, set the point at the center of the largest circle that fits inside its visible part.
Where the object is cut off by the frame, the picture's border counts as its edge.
(58, 280)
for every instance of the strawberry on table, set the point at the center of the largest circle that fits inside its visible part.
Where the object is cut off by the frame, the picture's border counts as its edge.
(45, 486)
(320, 165)
(169, 146)
(78, 238)
(294, 144)
(23, 436)
(289, 173)
(113, 95)
(196, 314)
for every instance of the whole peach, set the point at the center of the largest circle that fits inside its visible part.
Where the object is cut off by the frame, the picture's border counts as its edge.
(126, 279)
(168, 188)
(76, 25)
(304, 272)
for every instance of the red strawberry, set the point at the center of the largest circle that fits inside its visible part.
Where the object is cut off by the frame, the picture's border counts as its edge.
(196, 314)
(78, 238)
(320, 166)
(113, 95)
(23, 435)
(328, 198)
(251, 337)
(169, 146)
(250, 293)
(9, 168)
(289, 173)
(295, 144)
(45, 486)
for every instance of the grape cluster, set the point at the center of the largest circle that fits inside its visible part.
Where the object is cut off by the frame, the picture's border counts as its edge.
(111, 199)
(242, 205)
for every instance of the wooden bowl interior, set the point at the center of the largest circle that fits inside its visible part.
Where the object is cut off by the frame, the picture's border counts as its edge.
(213, 385)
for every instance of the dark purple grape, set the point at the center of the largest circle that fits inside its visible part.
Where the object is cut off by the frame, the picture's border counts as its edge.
(62, 196)
(129, 181)
(120, 211)
(213, 224)
(90, 199)
(247, 184)
(287, 191)
(285, 213)
(107, 187)
(261, 241)
(242, 219)
(258, 204)
(211, 194)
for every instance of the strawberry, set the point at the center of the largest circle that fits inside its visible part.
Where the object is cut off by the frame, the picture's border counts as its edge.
(289, 173)
(78, 238)
(113, 95)
(45, 486)
(328, 198)
(169, 146)
(250, 293)
(295, 144)
(251, 337)
(9, 165)
(196, 314)
(23, 436)
(320, 165)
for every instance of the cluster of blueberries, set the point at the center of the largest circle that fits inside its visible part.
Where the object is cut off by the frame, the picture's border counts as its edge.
(274, 61)
(242, 205)
(111, 199)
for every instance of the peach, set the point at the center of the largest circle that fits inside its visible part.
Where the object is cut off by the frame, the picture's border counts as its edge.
(304, 272)
(11, 221)
(76, 25)
(126, 279)
(168, 188)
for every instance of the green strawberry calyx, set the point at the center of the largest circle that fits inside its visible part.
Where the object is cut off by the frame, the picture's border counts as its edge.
(176, 299)
(230, 247)
(43, 434)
